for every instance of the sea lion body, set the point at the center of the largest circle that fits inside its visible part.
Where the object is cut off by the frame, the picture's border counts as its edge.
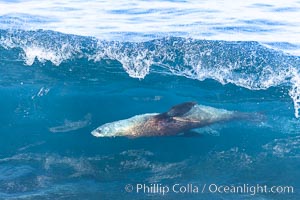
(178, 119)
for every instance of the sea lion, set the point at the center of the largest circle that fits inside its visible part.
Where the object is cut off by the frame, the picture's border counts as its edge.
(179, 119)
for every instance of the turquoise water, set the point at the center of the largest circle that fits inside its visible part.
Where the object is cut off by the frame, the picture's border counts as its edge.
(64, 73)
(48, 112)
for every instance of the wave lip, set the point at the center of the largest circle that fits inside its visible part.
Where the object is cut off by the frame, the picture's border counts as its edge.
(294, 92)
(245, 64)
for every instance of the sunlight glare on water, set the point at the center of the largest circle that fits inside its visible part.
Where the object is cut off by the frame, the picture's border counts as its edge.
(267, 22)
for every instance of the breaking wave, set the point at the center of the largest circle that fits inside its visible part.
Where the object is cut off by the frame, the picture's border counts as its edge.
(244, 64)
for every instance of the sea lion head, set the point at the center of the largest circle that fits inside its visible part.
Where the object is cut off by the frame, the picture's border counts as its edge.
(102, 132)
(118, 128)
(127, 127)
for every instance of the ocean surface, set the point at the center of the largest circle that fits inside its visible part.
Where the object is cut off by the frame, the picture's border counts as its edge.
(68, 67)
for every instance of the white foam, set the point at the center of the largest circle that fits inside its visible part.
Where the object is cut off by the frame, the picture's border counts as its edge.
(43, 54)
(232, 157)
(295, 91)
(287, 147)
(135, 60)
(38, 48)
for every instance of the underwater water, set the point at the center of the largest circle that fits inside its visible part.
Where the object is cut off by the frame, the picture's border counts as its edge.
(57, 87)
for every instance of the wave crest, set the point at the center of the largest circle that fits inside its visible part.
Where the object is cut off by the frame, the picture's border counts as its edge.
(246, 64)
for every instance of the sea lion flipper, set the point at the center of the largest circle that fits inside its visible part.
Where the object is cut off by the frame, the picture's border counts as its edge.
(177, 111)
(181, 109)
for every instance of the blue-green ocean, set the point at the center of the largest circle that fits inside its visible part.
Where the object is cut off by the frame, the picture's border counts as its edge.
(48, 112)
(57, 85)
